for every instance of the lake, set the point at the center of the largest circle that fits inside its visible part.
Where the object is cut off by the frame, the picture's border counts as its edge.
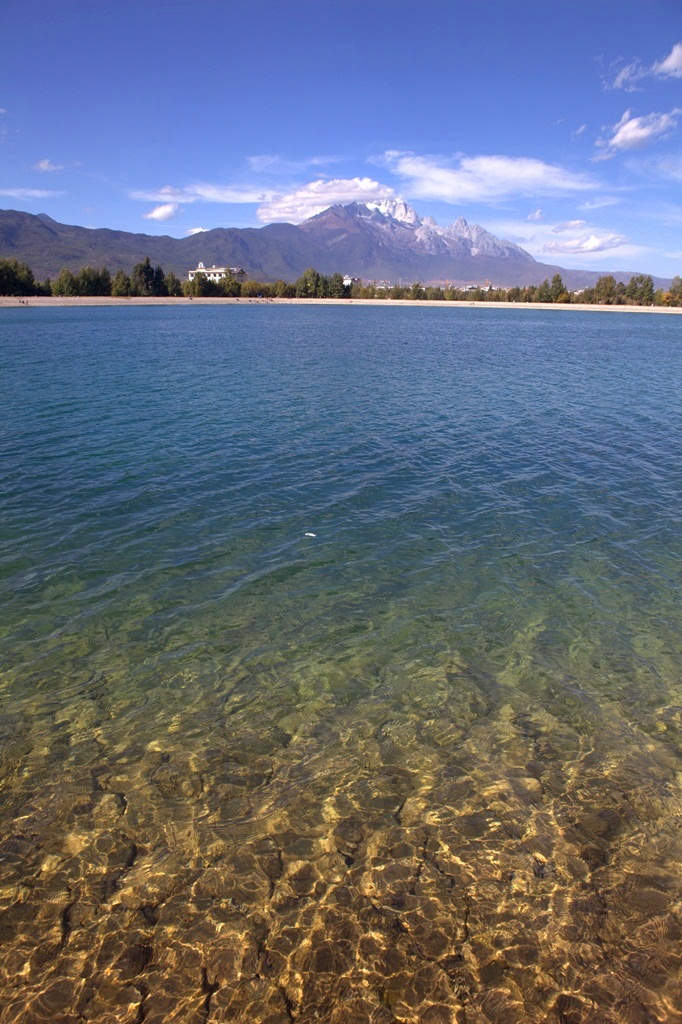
(340, 665)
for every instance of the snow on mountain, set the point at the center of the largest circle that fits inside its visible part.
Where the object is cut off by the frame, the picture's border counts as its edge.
(398, 209)
(459, 237)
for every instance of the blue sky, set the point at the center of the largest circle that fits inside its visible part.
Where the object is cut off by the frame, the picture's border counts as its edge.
(555, 124)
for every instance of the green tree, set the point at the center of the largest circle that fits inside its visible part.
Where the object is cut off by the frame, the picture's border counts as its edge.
(675, 292)
(142, 278)
(256, 289)
(605, 291)
(647, 292)
(308, 285)
(91, 281)
(64, 283)
(17, 278)
(159, 288)
(639, 290)
(173, 284)
(544, 292)
(120, 286)
(337, 289)
(205, 287)
(283, 290)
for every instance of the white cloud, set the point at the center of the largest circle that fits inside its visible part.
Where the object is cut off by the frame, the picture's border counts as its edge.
(47, 165)
(586, 247)
(629, 75)
(203, 192)
(164, 212)
(536, 215)
(586, 244)
(636, 132)
(316, 196)
(568, 225)
(195, 231)
(482, 178)
(29, 193)
(670, 66)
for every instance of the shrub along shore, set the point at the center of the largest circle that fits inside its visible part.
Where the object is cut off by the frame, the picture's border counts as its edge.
(148, 282)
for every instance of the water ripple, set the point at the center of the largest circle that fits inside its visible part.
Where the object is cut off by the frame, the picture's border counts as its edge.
(340, 664)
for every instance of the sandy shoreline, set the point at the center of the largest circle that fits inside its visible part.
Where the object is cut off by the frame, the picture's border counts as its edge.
(11, 302)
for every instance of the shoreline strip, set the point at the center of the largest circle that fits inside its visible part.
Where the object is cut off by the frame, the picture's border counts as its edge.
(14, 302)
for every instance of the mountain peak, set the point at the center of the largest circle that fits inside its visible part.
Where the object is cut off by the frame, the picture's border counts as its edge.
(398, 209)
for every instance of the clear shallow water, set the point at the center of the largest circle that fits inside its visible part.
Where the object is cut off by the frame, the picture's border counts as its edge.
(422, 766)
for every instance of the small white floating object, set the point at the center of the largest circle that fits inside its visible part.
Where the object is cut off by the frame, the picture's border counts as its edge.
(311, 535)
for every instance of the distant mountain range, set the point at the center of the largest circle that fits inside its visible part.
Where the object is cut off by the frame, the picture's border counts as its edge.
(385, 241)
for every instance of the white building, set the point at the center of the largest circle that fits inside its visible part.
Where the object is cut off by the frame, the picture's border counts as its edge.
(217, 273)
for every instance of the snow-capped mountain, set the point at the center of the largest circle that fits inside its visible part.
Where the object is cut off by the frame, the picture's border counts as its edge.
(389, 240)
(483, 243)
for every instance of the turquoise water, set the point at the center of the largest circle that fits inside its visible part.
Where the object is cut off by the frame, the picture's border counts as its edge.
(340, 665)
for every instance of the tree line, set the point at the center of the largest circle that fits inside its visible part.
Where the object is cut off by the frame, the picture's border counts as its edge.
(17, 278)
(639, 291)
(310, 285)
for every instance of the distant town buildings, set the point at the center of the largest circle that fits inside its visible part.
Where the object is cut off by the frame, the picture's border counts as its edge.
(217, 273)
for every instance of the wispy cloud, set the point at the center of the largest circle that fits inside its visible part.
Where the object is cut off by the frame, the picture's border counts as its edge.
(635, 132)
(630, 75)
(627, 76)
(536, 215)
(600, 203)
(482, 178)
(273, 163)
(166, 211)
(568, 225)
(316, 196)
(669, 168)
(195, 231)
(47, 165)
(203, 192)
(29, 193)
